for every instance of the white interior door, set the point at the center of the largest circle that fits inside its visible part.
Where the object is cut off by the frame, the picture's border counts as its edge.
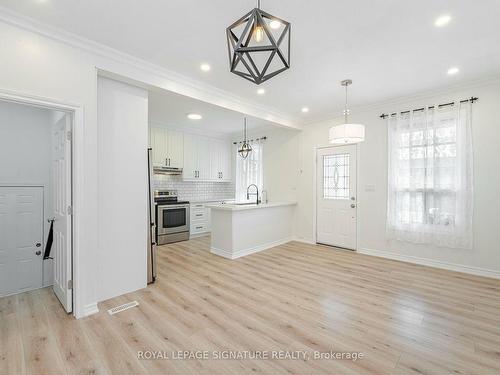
(21, 239)
(336, 196)
(61, 188)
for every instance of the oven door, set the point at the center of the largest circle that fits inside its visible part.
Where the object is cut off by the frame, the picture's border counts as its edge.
(172, 219)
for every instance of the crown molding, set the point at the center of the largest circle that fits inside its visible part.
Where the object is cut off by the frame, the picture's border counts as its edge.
(389, 104)
(177, 83)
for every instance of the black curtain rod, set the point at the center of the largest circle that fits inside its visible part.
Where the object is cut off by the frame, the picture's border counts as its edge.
(251, 140)
(471, 99)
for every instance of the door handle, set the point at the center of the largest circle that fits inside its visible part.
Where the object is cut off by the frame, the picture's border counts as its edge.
(353, 205)
(38, 244)
(38, 252)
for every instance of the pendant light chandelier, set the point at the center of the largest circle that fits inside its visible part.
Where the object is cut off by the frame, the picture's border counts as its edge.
(258, 46)
(347, 133)
(245, 148)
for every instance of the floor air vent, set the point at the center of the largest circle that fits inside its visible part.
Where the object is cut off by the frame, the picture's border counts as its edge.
(123, 307)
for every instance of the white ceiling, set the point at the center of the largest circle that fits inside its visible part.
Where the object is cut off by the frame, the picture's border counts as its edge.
(170, 109)
(390, 48)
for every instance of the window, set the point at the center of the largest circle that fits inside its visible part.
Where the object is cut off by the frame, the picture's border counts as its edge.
(249, 171)
(336, 176)
(430, 177)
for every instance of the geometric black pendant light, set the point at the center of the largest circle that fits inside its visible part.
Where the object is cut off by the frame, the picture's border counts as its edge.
(258, 46)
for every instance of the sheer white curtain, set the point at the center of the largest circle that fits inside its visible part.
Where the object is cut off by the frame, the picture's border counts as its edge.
(249, 171)
(430, 176)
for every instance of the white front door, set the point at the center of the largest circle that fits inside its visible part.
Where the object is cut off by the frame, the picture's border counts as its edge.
(61, 188)
(336, 196)
(21, 239)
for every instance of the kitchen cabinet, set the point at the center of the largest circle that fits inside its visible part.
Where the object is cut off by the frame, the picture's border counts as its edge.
(200, 222)
(196, 157)
(175, 149)
(168, 147)
(220, 160)
(201, 158)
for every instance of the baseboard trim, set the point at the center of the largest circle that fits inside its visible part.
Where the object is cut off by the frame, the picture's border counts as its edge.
(90, 309)
(304, 240)
(241, 253)
(432, 263)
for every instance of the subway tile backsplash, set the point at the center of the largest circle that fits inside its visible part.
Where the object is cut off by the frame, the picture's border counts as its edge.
(195, 190)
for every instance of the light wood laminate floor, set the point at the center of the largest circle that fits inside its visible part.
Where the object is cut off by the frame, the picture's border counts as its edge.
(405, 319)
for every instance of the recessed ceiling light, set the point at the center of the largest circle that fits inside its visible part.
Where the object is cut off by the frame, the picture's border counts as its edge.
(194, 116)
(261, 91)
(453, 70)
(275, 24)
(305, 109)
(442, 20)
(205, 67)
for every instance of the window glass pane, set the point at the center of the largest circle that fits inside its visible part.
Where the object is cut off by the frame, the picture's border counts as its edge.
(336, 176)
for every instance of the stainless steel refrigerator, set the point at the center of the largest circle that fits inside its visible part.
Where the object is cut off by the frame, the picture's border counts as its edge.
(151, 249)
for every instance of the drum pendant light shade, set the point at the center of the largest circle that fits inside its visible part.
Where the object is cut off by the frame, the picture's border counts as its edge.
(346, 133)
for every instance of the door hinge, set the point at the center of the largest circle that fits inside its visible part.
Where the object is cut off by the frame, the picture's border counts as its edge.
(69, 135)
(70, 210)
(70, 284)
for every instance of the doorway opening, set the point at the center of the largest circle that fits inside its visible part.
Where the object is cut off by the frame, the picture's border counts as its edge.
(336, 196)
(36, 200)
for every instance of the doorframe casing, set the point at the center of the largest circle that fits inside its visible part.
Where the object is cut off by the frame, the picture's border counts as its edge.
(76, 112)
(315, 189)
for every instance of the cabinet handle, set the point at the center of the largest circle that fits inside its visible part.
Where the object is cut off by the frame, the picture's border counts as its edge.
(199, 214)
(199, 227)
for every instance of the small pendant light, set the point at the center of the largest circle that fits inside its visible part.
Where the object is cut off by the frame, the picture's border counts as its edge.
(245, 148)
(347, 133)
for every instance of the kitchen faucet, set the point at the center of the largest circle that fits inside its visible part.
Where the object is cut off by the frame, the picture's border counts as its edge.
(256, 193)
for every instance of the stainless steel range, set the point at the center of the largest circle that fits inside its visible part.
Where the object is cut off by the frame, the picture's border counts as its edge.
(172, 217)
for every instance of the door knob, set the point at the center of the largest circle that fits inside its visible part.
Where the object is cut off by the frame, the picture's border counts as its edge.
(353, 205)
(38, 252)
(38, 244)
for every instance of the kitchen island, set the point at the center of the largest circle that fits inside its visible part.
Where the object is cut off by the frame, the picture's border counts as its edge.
(243, 229)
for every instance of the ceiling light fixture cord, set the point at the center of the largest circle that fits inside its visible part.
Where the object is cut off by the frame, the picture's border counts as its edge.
(245, 135)
(258, 4)
(345, 108)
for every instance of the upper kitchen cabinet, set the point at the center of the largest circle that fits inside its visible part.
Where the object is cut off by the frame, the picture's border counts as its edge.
(196, 157)
(167, 147)
(220, 160)
(175, 149)
(206, 159)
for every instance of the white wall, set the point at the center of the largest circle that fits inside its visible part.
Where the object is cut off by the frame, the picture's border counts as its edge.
(25, 157)
(372, 170)
(123, 187)
(280, 162)
(43, 63)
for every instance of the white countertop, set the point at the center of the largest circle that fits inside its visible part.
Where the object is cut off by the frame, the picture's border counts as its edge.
(236, 207)
(211, 201)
